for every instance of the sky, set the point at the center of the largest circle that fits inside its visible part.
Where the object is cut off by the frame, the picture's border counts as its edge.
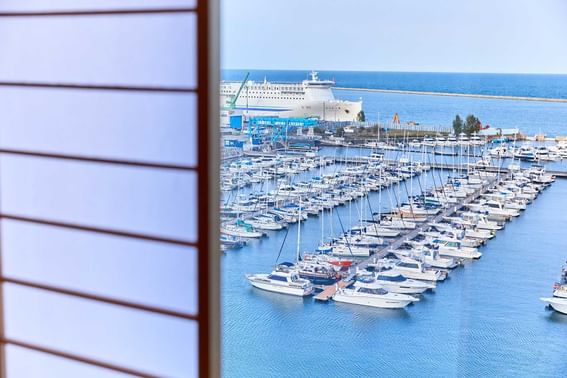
(501, 36)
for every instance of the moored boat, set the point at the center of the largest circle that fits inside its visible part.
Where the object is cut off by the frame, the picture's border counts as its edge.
(373, 295)
(283, 281)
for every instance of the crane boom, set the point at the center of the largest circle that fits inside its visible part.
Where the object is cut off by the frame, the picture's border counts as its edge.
(232, 103)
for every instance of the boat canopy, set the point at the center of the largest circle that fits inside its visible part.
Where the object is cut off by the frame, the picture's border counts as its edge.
(396, 278)
(277, 277)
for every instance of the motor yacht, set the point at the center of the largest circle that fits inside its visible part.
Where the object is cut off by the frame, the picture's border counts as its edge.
(453, 248)
(318, 272)
(525, 153)
(396, 283)
(417, 270)
(264, 223)
(431, 257)
(350, 250)
(231, 242)
(372, 294)
(283, 281)
(558, 304)
(451, 141)
(241, 229)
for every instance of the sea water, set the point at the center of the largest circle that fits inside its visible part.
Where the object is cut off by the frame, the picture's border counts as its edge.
(530, 117)
(486, 319)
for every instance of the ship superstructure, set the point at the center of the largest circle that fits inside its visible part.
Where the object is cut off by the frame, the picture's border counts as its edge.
(310, 98)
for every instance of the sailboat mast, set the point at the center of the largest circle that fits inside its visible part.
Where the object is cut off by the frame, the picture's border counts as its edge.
(298, 231)
(321, 196)
(380, 194)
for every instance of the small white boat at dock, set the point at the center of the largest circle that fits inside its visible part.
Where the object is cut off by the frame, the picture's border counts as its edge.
(373, 295)
(282, 281)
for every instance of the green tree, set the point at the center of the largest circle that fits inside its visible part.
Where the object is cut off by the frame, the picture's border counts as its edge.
(457, 125)
(472, 125)
(361, 117)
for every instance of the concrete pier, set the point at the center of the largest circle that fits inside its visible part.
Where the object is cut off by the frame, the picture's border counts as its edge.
(425, 93)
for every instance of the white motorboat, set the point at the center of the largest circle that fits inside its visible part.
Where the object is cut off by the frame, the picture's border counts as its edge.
(428, 142)
(479, 220)
(451, 141)
(453, 235)
(350, 250)
(525, 152)
(242, 231)
(415, 210)
(282, 281)
(373, 295)
(396, 283)
(375, 230)
(476, 141)
(401, 224)
(440, 141)
(463, 140)
(263, 223)
(371, 242)
(430, 256)
(417, 270)
(558, 304)
(454, 248)
(501, 152)
(414, 143)
(493, 209)
(475, 233)
(560, 291)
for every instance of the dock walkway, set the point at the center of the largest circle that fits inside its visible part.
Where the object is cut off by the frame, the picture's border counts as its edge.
(444, 166)
(434, 219)
(330, 290)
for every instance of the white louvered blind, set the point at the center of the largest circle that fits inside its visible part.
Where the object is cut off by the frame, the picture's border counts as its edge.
(104, 188)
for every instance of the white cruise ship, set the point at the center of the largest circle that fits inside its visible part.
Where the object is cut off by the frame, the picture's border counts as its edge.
(310, 98)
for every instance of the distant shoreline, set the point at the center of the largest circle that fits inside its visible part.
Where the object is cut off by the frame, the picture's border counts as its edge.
(447, 94)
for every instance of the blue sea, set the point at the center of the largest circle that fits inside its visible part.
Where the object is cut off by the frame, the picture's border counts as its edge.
(485, 320)
(529, 116)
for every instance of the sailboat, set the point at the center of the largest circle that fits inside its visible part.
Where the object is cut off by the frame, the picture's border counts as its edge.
(285, 278)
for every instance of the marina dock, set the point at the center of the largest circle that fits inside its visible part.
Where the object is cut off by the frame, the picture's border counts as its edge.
(363, 264)
(435, 165)
(330, 290)
(418, 242)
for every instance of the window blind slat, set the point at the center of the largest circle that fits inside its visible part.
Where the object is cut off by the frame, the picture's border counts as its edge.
(54, 5)
(141, 200)
(133, 50)
(157, 344)
(47, 366)
(121, 268)
(135, 126)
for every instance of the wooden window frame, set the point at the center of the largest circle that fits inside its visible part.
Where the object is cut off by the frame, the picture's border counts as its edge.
(207, 169)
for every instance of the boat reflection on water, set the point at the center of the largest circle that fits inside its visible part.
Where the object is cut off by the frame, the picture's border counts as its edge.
(283, 303)
(368, 316)
(555, 316)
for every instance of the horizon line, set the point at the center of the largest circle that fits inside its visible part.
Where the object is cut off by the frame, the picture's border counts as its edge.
(393, 71)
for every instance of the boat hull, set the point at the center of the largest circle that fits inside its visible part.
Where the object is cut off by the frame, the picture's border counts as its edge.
(401, 288)
(558, 304)
(424, 276)
(377, 302)
(281, 289)
(242, 233)
(460, 253)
